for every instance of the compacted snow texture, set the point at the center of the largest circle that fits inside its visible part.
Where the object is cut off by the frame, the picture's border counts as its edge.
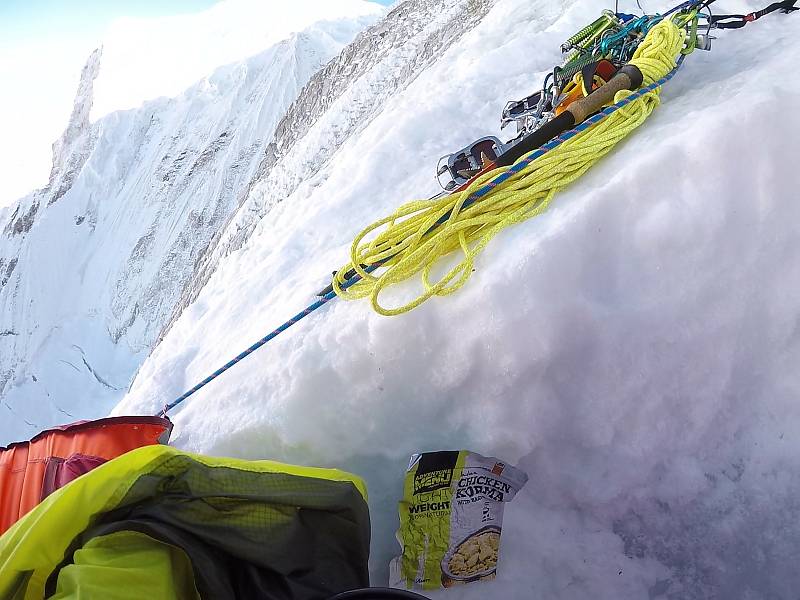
(634, 350)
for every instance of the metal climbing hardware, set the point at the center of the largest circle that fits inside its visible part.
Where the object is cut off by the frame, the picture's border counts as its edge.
(458, 168)
(516, 111)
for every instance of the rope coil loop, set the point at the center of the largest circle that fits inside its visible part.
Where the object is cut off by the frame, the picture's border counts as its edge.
(414, 238)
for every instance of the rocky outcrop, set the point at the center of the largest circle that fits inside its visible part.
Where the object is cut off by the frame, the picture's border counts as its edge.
(74, 146)
(70, 153)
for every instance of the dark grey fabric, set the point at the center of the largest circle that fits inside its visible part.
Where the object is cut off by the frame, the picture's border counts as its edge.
(270, 536)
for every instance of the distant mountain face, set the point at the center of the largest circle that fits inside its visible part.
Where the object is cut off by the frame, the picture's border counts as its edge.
(92, 265)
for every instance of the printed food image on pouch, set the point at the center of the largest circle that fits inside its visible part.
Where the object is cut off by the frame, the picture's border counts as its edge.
(451, 519)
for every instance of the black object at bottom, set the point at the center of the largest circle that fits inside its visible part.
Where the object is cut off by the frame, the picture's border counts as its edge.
(378, 594)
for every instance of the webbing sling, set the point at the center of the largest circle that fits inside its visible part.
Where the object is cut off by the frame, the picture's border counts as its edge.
(738, 21)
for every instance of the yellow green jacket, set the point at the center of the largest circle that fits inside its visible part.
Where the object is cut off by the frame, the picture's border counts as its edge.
(158, 523)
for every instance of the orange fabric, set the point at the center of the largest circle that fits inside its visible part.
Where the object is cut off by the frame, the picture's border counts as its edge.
(571, 96)
(604, 71)
(23, 465)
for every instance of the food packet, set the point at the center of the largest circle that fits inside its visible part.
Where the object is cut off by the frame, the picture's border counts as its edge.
(451, 517)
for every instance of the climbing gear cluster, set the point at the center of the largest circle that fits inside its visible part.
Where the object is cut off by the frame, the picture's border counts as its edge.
(590, 60)
(489, 185)
(494, 185)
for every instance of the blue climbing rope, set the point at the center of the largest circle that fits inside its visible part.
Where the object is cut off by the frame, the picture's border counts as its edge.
(304, 313)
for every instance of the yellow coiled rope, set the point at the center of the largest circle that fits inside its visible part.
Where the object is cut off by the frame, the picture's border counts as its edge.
(405, 243)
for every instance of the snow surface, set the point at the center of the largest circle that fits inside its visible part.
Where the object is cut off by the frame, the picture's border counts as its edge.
(634, 350)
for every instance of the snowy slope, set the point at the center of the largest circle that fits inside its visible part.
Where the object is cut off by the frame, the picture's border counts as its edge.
(634, 350)
(92, 265)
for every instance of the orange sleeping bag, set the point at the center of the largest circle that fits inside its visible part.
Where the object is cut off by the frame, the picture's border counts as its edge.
(32, 470)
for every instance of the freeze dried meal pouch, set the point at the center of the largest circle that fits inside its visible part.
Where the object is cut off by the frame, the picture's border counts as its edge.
(451, 516)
